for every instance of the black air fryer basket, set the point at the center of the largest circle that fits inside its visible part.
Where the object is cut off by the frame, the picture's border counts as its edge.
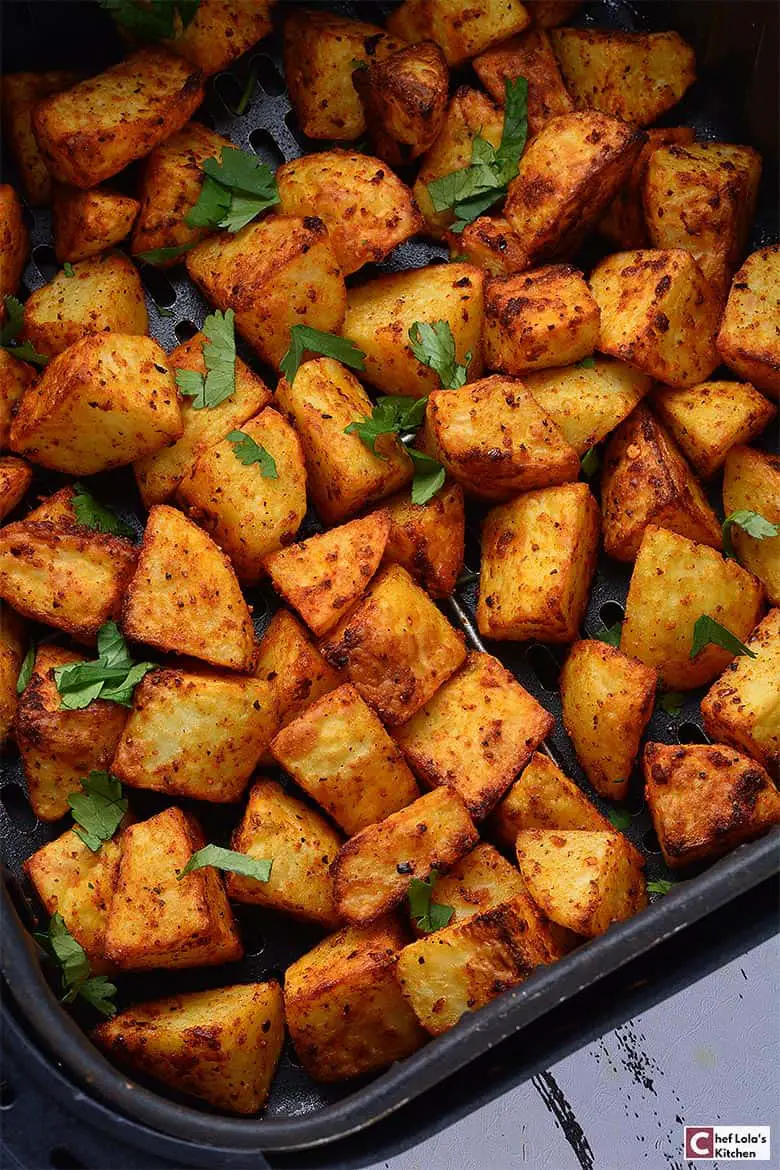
(735, 99)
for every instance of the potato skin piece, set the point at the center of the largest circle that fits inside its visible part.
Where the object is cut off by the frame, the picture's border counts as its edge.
(708, 420)
(15, 478)
(220, 31)
(15, 377)
(87, 223)
(586, 403)
(20, 94)
(428, 540)
(405, 101)
(747, 340)
(14, 244)
(461, 32)
(751, 481)
(530, 56)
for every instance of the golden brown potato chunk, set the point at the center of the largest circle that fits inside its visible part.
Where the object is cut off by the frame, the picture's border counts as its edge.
(221, 1045)
(21, 92)
(15, 478)
(709, 419)
(395, 646)
(60, 747)
(461, 32)
(587, 402)
(14, 244)
(543, 798)
(549, 13)
(480, 881)
(344, 1007)
(607, 700)
(302, 845)
(373, 870)
(13, 640)
(751, 482)
(184, 597)
(567, 176)
(220, 31)
(291, 664)
(87, 223)
(489, 243)
(159, 918)
(748, 341)
(428, 539)
(538, 558)
(674, 583)
(658, 313)
(705, 799)
(624, 220)
(530, 56)
(15, 377)
(92, 131)
(405, 100)
(339, 752)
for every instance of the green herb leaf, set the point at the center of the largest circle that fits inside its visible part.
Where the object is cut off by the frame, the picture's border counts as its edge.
(391, 415)
(113, 675)
(96, 516)
(427, 914)
(434, 346)
(753, 523)
(590, 463)
(662, 886)
(75, 971)
(25, 351)
(97, 809)
(227, 859)
(672, 702)
(707, 631)
(303, 338)
(467, 577)
(587, 363)
(248, 452)
(163, 255)
(219, 355)
(236, 189)
(515, 132)
(162, 310)
(99, 992)
(68, 269)
(25, 672)
(429, 476)
(619, 817)
(154, 20)
(246, 94)
(611, 634)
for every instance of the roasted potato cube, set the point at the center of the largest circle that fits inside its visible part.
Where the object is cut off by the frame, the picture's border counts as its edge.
(538, 319)
(343, 474)
(21, 92)
(302, 845)
(343, 1005)
(339, 752)
(633, 76)
(293, 667)
(102, 403)
(57, 509)
(461, 32)
(365, 207)
(381, 312)
(395, 646)
(195, 734)
(747, 340)
(15, 478)
(646, 481)
(59, 747)
(530, 56)
(101, 295)
(543, 798)
(220, 1045)
(87, 223)
(220, 31)
(373, 870)
(405, 101)
(158, 918)
(13, 640)
(276, 273)
(475, 734)
(14, 244)
(624, 220)
(428, 539)
(248, 512)
(324, 576)
(538, 558)
(607, 700)
(184, 597)
(73, 881)
(751, 482)
(566, 178)
(709, 419)
(705, 799)
(674, 583)
(15, 377)
(489, 243)
(582, 879)
(549, 13)
(480, 881)
(321, 52)
(587, 402)
(658, 313)
(92, 131)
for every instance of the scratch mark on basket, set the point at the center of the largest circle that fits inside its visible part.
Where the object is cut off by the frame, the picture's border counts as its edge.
(553, 1097)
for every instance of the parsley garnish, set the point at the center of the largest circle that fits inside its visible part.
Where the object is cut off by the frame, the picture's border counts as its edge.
(707, 631)
(235, 190)
(619, 817)
(112, 676)
(662, 886)
(26, 669)
(434, 346)
(163, 255)
(590, 463)
(429, 476)
(152, 21)
(219, 355)
(246, 95)
(671, 702)
(97, 809)
(247, 451)
(75, 970)
(303, 338)
(96, 516)
(163, 310)
(402, 416)
(587, 363)
(10, 330)
(611, 634)
(753, 523)
(68, 269)
(227, 859)
(428, 915)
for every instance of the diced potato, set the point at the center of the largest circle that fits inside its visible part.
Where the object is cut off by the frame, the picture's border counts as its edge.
(461, 32)
(13, 640)
(15, 377)
(249, 514)
(302, 845)
(566, 178)
(530, 56)
(381, 312)
(59, 748)
(587, 402)
(428, 539)
(158, 918)
(489, 243)
(373, 871)
(395, 646)
(14, 244)
(343, 1005)
(171, 182)
(633, 76)
(405, 101)
(220, 31)
(748, 341)
(480, 881)
(751, 482)
(274, 274)
(538, 558)
(581, 879)
(343, 474)
(321, 53)
(102, 403)
(15, 478)
(103, 294)
(543, 798)
(538, 319)
(709, 419)
(21, 92)
(607, 700)
(220, 1045)
(293, 667)
(624, 220)
(674, 583)
(475, 734)
(658, 313)
(705, 799)
(324, 576)
(56, 509)
(184, 597)
(195, 734)
(365, 207)
(549, 13)
(91, 132)
(73, 881)
(87, 223)
(646, 481)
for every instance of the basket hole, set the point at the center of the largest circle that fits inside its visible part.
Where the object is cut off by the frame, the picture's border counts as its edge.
(265, 148)
(158, 286)
(228, 91)
(17, 809)
(269, 76)
(185, 331)
(544, 666)
(690, 733)
(611, 612)
(45, 261)
(62, 1159)
(7, 1095)
(650, 842)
